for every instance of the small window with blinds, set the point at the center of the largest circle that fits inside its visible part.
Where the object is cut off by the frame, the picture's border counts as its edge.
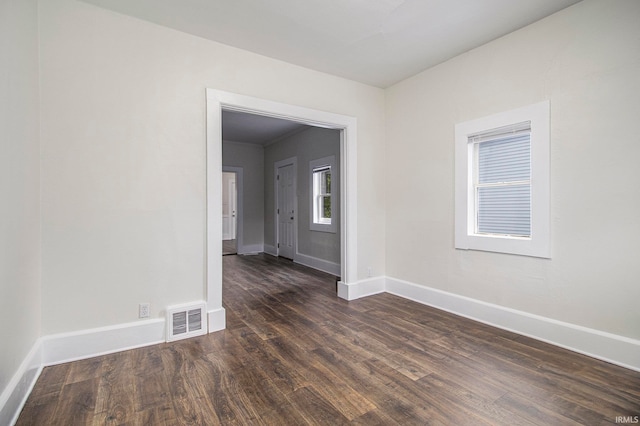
(502, 182)
(323, 185)
(322, 195)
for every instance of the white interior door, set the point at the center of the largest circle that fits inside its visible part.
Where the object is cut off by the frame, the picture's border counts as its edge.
(229, 206)
(233, 206)
(286, 211)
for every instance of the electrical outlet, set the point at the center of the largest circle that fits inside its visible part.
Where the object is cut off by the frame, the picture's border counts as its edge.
(143, 310)
(369, 271)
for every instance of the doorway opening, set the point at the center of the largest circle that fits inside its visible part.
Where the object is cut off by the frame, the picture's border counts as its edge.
(229, 214)
(217, 101)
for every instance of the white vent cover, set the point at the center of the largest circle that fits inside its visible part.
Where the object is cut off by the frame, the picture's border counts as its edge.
(185, 321)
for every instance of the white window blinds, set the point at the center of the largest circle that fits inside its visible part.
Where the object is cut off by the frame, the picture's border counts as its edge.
(322, 195)
(502, 180)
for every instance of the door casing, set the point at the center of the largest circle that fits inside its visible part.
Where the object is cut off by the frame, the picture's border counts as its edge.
(216, 101)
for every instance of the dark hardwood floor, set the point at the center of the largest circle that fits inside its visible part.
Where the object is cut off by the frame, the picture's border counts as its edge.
(295, 354)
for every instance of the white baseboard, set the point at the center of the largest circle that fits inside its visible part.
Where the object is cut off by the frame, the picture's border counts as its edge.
(217, 320)
(362, 288)
(269, 249)
(251, 249)
(65, 347)
(608, 347)
(319, 264)
(19, 387)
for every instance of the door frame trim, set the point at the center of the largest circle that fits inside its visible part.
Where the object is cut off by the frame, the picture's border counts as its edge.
(216, 101)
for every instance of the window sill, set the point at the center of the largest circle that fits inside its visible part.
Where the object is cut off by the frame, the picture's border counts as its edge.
(321, 227)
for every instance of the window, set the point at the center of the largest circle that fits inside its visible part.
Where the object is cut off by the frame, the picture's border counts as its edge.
(502, 182)
(322, 200)
(322, 195)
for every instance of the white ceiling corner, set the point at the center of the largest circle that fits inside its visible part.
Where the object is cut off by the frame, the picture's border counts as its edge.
(376, 42)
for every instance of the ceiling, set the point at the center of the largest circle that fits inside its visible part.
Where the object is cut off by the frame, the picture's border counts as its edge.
(376, 42)
(255, 129)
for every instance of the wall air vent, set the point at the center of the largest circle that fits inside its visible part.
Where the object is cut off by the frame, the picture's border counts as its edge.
(184, 321)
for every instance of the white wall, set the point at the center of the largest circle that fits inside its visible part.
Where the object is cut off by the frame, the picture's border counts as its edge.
(19, 188)
(308, 145)
(123, 158)
(103, 167)
(586, 61)
(251, 158)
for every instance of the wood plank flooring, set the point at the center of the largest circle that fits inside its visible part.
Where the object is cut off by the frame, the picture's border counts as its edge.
(295, 354)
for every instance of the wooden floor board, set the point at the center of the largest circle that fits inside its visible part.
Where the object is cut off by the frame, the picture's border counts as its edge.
(79, 402)
(42, 408)
(114, 400)
(293, 353)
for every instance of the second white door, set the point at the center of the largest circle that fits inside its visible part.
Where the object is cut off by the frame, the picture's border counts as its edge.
(286, 211)
(229, 206)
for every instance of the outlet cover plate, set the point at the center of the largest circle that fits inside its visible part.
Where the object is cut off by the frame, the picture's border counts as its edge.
(143, 310)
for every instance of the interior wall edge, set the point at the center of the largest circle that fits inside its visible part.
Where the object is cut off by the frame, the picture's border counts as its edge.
(362, 288)
(217, 319)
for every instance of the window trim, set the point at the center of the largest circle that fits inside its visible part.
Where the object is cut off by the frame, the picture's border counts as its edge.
(329, 162)
(538, 245)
